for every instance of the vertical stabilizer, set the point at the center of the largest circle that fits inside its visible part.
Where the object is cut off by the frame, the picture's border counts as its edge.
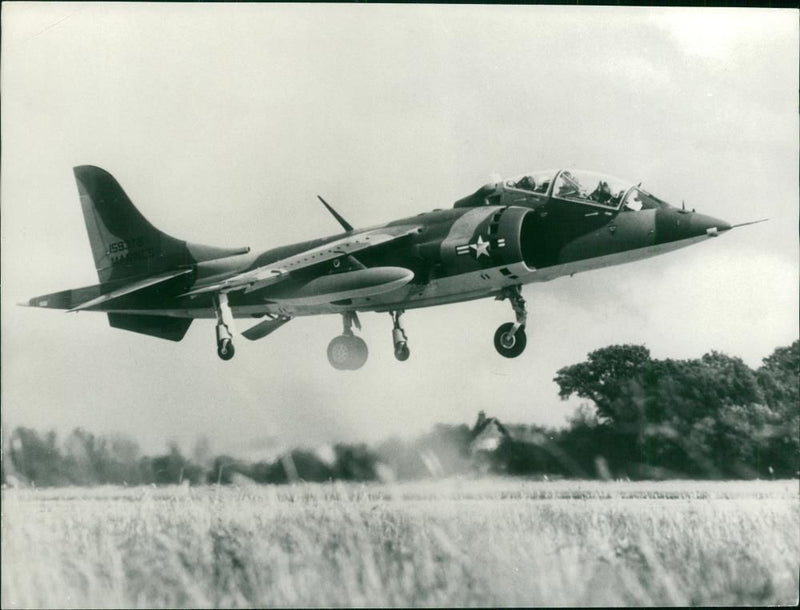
(124, 244)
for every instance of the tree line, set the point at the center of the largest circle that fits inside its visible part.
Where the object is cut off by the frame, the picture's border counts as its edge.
(708, 417)
(711, 417)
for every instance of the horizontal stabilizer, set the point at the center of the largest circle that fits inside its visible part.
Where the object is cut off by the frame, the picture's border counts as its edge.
(163, 327)
(63, 299)
(262, 329)
(131, 288)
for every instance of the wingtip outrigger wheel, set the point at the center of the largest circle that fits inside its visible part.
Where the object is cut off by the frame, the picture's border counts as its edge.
(399, 337)
(510, 338)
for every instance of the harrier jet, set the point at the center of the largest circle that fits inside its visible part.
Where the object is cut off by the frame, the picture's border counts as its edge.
(534, 228)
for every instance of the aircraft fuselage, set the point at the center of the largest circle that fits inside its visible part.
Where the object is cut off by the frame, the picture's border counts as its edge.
(458, 255)
(505, 235)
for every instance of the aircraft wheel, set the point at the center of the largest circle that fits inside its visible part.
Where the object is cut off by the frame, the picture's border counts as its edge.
(401, 352)
(347, 352)
(508, 344)
(225, 349)
(361, 353)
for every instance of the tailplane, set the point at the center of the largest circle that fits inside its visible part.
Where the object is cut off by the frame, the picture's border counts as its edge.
(162, 327)
(124, 243)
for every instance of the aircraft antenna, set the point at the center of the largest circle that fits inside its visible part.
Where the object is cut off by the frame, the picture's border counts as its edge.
(347, 226)
(752, 222)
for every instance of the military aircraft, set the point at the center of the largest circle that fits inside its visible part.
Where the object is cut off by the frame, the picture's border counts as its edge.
(534, 228)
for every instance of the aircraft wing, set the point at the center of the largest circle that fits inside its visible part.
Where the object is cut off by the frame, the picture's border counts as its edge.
(273, 273)
(130, 288)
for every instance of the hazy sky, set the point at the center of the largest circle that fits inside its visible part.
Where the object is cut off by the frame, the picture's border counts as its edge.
(223, 122)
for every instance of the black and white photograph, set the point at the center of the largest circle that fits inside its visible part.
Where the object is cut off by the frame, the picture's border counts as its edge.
(399, 305)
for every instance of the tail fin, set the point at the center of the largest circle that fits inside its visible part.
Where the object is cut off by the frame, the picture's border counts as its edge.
(124, 244)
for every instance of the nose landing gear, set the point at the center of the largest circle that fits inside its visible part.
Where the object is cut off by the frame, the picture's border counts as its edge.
(399, 338)
(225, 328)
(510, 339)
(347, 352)
(508, 342)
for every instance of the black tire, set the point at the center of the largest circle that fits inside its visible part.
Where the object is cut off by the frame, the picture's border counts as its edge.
(401, 352)
(225, 349)
(347, 352)
(508, 345)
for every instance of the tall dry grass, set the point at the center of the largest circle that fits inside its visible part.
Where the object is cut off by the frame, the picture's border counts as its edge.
(448, 543)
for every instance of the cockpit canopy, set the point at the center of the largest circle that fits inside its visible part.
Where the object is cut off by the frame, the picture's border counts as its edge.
(537, 182)
(571, 185)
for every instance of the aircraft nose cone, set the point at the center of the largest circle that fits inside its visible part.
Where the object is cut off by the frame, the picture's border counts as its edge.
(675, 225)
(701, 224)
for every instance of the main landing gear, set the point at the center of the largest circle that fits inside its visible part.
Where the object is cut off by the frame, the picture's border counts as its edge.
(347, 352)
(510, 339)
(225, 328)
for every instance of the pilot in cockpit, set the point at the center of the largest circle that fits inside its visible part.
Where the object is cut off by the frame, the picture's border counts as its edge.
(602, 193)
(526, 183)
(616, 199)
(568, 186)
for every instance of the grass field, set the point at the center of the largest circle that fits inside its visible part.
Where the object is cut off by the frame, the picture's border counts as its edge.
(490, 542)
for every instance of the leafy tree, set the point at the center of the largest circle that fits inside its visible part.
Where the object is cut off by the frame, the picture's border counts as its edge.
(605, 380)
(173, 468)
(36, 458)
(309, 466)
(224, 466)
(124, 459)
(704, 416)
(354, 463)
(93, 460)
(779, 378)
(82, 457)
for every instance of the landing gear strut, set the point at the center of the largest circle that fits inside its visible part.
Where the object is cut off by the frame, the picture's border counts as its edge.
(399, 338)
(347, 351)
(225, 328)
(510, 339)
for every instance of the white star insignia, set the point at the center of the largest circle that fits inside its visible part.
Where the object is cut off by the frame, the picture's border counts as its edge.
(481, 247)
